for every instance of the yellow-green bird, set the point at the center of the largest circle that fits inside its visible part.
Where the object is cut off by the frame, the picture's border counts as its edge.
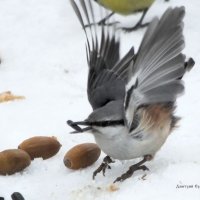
(126, 7)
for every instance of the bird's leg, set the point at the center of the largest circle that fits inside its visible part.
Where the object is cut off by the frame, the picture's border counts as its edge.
(133, 168)
(104, 165)
(103, 21)
(139, 24)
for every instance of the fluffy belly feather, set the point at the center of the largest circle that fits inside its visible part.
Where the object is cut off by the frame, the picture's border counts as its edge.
(119, 144)
(126, 7)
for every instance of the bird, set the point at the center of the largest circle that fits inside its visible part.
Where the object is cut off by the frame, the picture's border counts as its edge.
(133, 97)
(126, 7)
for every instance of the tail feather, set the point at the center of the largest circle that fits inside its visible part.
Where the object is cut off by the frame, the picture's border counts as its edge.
(189, 64)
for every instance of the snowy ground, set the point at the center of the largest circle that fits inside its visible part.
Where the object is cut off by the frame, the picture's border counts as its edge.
(43, 58)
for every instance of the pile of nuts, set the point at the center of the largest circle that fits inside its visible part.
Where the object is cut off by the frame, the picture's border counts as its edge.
(15, 160)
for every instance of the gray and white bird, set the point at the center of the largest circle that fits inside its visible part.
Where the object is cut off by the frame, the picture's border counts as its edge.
(133, 97)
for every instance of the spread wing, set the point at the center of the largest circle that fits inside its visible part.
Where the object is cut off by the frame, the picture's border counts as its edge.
(107, 72)
(155, 74)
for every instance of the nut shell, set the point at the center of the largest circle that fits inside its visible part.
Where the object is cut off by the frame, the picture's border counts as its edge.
(40, 146)
(13, 160)
(82, 155)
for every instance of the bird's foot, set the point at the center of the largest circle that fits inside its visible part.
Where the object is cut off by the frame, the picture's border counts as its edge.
(139, 24)
(101, 23)
(104, 165)
(134, 28)
(133, 168)
(130, 172)
(112, 23)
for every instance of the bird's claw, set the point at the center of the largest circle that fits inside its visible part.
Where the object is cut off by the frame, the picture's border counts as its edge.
(102, 168)
(136, 27)
(109, 24)
(101, 23)
(104, 165)
(130, 172)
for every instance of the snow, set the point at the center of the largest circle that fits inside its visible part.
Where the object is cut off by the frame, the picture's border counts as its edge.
(42, 49)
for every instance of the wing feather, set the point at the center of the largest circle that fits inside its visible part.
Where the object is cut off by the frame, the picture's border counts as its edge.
(107, 73)
(155, 74)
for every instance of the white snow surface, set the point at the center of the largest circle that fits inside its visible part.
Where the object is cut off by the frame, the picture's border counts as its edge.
(42, 49)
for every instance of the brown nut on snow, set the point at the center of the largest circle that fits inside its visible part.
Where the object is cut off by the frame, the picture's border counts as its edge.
(82, 155)
(40, 146)
(13, 160)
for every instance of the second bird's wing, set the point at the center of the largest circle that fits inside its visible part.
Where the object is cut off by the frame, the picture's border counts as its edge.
(155, 76)
(107, 73)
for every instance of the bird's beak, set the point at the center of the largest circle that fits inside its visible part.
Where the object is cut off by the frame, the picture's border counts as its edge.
(74, 132)
(77, 128)
(82, 130)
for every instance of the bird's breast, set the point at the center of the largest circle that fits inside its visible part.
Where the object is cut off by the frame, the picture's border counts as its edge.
(120, 144)
(126, 7)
